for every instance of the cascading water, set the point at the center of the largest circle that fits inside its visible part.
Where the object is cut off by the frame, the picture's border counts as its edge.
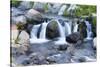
(89, 31)
(42, 36)
(43, 31)
(35, 30)
(62, 34)
(67, 28)
(62, 9)
(75, 27)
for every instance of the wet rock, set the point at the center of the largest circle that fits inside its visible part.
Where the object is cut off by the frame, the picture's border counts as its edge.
(52, 30)
(34, 16)
(59, 58)
(82, 28)
(62, 47)
(73, 38)
(25, 5)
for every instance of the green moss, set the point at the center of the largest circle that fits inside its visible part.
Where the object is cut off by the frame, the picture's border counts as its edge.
(65, 13)
(46, 7)
(85, 10)
(15, 3)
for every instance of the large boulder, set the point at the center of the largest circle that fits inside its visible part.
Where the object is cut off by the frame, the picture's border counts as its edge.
(33, 16)
(52, 30)
(73, 38)
(23, 38)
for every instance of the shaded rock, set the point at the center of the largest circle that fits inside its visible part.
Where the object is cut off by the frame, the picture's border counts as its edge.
(82, 28)
(73, 38)
(25, 5)
(63, 47)
(52, 30)
(34, 16)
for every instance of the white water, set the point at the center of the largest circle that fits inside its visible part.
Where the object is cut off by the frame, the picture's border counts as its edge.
(63, 30)
(35, 30)
(67, 28)
(43, 31)
(62, 9)
(75, 27)
(62, 35)
(89, 31)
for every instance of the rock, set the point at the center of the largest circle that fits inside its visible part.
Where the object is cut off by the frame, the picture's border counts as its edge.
(59, 58)
(20, 59)
(16, 12)
(23, 38)
(39, 6)
(25, 5)
(73, 38)
(52, 30)
(62, 47)
(19, 20)
(82, 28)
(14, 34)
(34, 16)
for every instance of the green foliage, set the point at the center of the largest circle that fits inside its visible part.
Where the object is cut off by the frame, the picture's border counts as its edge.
(85, 10)
(46, 7)
(15, 3)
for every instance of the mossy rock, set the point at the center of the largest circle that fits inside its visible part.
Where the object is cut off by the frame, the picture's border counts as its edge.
(52, 30)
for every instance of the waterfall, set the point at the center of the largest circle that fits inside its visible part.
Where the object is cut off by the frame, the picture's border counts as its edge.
(34, 31)
(62, 9)
(75, 27)
(62, 34)
(89, 31)
(43, 30)
(61, 31)
(67, 28)
(42, 35)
